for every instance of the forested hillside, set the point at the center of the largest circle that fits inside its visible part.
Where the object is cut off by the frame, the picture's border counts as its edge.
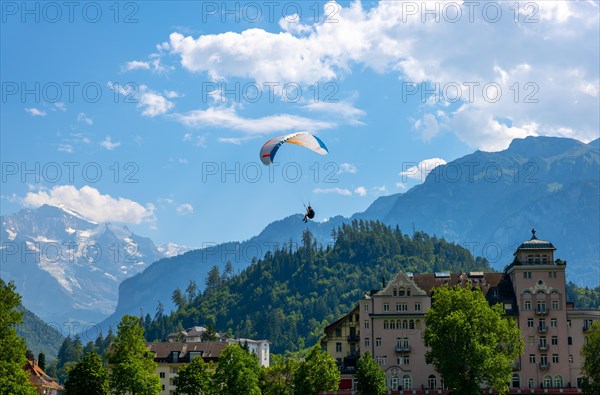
(290, 295)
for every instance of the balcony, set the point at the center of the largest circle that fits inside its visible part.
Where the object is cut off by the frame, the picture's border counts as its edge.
(543, 347)
(544, 365)
(402, 348)
(517, 365)
(542, 329)
(353, 338)
(541, 311)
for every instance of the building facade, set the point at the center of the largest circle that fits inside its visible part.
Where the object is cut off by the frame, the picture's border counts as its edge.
(532, 291)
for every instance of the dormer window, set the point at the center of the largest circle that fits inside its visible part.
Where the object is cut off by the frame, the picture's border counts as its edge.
(401, 291)
(530, 259)
(407, 291)
(395, 291)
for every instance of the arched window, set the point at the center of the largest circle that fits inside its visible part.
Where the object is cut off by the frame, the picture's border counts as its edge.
(407, 291)
(547, 381)
(406, 382)
(516, 381)
(386, 324)
(432, 382)
(401, 291)
(411, 324)
(558, 382)
(404, 324)
(418, 324)
(392, 324)
(398, 324)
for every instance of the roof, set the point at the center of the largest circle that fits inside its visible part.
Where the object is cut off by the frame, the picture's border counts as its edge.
(164, 350)
(331, 327)
(486, 281)
(402, 280)
(39, 378)
(535, 244)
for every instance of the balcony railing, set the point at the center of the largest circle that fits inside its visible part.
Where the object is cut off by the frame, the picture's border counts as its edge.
(353, 338)
(544, 365)
(543, 347)
(541, 311)
(542, 329)
(517, 365)
(402, 347)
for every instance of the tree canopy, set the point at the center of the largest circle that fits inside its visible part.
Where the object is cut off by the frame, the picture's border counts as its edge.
(195, 378)
(591, 362)
(370, 378)
(13, 379)
(237, 372)
(88, 377)
(132, 365)
(471, 343)
(318, 372)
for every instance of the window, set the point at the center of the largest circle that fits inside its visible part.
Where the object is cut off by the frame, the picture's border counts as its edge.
(163, 387)
(407, 291)
(531, 358)
(543, 341)
(570, 341)
(558, 382)
(529, 322)
(554, 340)
(547, 381)
(544, 359)
(553, 322)
(531, 383)
(378, 342)
(411, 324)
(406, 382)
(569, 323)
(530, 339)
(338, 332)
(551, 274)
(395, 291)
(541, 305)
(367, 342)
(418, 308)
(401, 292)
(527, 305)
(386, 324)
(401, 307)
(554, 358)
(162, 375)
(366, 307)
(526, 274)
(366, 324)
(381, 360)
(431, 382)
(338, 347)
(570, 359)
(516, 380)
(555, 305)
(403, 360)
(386, 307)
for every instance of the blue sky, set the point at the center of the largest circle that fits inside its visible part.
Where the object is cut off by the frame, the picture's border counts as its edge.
(171, 102)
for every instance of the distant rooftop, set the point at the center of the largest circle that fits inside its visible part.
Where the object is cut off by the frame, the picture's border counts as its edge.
(536, 244)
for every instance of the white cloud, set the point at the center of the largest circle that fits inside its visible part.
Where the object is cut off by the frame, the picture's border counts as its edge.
(150, 102)
(172, 94)
(361, 191)
(336, 190)
(185, 209)
(380, 190)
(154, 64)
(341, 109)
(81, 117)
(419, 171)
(227, 118)
(347, 168)
(108, 144)
(36, 112)
(534, 81)
(65, 148)
(90, 203)
(60, 106)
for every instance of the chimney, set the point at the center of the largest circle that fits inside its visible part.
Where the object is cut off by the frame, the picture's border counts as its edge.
(383, 281)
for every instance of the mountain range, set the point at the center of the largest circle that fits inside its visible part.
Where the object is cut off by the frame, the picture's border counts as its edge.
(68, 268)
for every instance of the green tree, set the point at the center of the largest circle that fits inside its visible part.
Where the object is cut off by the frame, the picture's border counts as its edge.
(131, 364)
(195, 378)
(369, 376)
(591, 360)
(318, 372)
(88, 377)
(42, 361)
(237, 372)
(278, 379)
(471, 343)
(13, 379)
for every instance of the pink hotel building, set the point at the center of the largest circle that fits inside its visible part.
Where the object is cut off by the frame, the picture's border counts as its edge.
(390, 322)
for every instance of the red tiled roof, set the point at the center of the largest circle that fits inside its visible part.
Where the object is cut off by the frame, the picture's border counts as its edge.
(39, 378)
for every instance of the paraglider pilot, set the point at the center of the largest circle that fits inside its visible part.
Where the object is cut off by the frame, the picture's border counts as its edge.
(310, 214)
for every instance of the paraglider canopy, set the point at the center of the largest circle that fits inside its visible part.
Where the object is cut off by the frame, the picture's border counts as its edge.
(304, 139)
